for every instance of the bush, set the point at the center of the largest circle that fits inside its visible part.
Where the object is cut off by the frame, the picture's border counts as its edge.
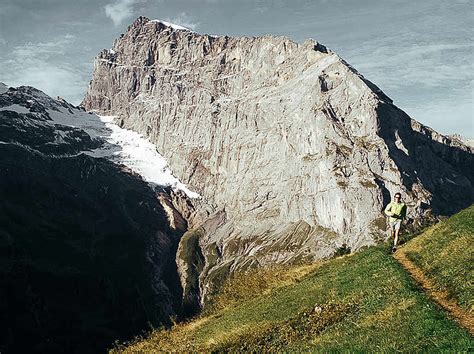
(342, 250)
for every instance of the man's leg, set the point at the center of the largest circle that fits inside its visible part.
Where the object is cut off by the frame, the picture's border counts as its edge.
(389, 230)
(397, 230)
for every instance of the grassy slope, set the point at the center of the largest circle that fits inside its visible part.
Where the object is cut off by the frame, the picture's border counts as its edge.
(444, 254)
(364, 301)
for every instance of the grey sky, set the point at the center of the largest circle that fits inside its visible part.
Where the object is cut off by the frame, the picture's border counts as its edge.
(420, 53)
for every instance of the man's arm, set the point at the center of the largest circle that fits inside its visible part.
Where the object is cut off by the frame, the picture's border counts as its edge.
(387, 209)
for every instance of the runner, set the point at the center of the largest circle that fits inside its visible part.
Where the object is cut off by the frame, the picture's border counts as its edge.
(396, 211)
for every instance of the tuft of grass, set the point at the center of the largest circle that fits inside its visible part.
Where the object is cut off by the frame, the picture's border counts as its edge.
(342, 184)
(444, 253)
(270, 337)
(342, 250)
(368, 184)
(254, 282)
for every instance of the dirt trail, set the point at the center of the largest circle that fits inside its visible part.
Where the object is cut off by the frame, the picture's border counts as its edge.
(460, 315)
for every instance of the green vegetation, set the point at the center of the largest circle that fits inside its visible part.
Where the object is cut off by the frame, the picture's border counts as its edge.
(190, 251)
(444, 253)
(342, 184)
(362, 302)
(342, 250)
(368, 184)
(254, 282)
(190, 254)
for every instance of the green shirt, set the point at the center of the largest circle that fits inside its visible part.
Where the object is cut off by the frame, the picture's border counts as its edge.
(396, 211)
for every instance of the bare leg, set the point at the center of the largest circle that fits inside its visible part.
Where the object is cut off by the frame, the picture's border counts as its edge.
(395, 239)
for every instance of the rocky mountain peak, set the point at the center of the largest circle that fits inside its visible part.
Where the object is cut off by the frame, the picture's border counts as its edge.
(139, 22)
(294, 151)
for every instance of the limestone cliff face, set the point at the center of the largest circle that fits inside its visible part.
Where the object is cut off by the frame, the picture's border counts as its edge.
(291, 149)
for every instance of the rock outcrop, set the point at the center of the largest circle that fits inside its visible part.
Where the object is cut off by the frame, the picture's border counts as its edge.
(292, 150)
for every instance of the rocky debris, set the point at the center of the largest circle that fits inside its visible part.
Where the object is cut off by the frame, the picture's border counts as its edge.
(292, 150)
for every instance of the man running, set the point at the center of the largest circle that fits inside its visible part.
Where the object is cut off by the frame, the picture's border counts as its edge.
(396, 210)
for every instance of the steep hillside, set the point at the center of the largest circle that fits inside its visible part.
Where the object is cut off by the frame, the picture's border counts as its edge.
(293, 151)
(87, 248)
(360, 302)
(443, 253)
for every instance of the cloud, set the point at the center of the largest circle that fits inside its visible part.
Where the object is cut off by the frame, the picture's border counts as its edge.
(184, 20)
(424, 64)
(119, 10)
(42, 65)
(29, 50)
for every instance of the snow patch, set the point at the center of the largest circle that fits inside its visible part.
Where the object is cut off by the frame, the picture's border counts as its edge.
(399, 143)
(172, 25)
(15, 108)
(122, 146)
(140, 155)
(3, 88)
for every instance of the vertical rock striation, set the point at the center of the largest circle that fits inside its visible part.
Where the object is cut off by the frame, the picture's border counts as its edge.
(293, 151)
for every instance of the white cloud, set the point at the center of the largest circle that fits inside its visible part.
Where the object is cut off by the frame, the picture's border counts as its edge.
(29, 50)
(41, 65)
(429, 65)
(184, 20)
(119, 10)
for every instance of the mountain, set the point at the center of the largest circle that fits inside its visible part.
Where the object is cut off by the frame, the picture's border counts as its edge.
(293, 152)
(87, 243)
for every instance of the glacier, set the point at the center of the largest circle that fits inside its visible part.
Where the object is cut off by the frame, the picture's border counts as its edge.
(122, 146)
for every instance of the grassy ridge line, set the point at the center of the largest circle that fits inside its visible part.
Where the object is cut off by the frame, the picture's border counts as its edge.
(442, 298)
(363, 302)
(444, 253)
(442, 262)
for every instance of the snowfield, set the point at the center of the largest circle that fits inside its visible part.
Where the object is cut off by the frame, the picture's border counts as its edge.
(121, 146)
(140, 155)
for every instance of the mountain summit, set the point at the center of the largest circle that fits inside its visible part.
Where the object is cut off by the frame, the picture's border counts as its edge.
(292, 150)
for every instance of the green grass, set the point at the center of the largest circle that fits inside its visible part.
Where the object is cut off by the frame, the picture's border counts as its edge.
(444, 253)
(190, 254)
(362, 302)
